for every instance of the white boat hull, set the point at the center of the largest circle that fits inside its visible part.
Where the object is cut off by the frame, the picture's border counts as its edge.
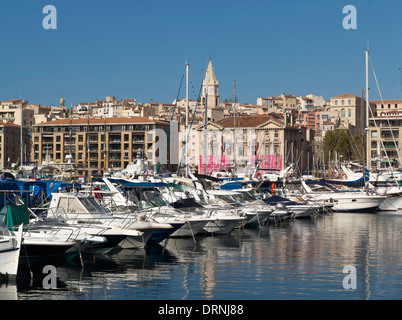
(349, 202)
(222, 225)
(391, 204)
(10, 247)
(137, 242)
(260, 216)
(190, 228)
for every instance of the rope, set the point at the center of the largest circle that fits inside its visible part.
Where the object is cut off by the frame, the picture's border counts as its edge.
(392, 133)
(188, 130)
(167, 135)
(30, 137)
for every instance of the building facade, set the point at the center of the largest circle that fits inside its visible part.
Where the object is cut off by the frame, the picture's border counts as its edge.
(384, 135)
(351, 111)
(273, 141)
(99, 145)
(10, 145)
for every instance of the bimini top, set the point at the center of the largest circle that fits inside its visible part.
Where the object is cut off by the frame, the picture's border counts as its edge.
(131, 183)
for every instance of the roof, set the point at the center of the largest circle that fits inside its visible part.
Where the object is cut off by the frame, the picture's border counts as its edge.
(9, 124)
(346, 95)
(387, 101)
(112, 120)
(247, 121)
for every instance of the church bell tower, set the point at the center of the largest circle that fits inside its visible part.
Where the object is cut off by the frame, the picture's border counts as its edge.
(210, 88)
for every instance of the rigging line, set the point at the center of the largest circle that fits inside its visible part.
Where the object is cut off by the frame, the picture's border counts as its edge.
(354, 80)
(357, 154)
(188, 130)
(382, 101)
(170, 123)
(30, 137)
(382, 142)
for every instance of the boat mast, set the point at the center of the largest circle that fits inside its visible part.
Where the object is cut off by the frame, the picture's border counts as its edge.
(206, 125)
(234, 124)
(71, 143)
(21, 140)
(186, 130)
(367, 111)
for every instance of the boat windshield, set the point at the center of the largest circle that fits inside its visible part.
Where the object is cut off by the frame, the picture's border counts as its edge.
(238, 197)
(248, 196)
(91, 205)
(142, 205)
(222, 198)
(154, 198)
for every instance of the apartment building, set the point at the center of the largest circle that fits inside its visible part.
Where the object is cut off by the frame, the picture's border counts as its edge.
(385, 131)
(10, 145)
(351, 111)
(98, 145)
(16, 112)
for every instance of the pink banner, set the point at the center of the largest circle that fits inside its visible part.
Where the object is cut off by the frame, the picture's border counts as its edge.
(218, 163)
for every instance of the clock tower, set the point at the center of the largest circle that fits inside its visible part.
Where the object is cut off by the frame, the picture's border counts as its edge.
(210, 88)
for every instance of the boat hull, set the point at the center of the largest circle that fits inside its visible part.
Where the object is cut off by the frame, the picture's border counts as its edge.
(190, 228)
(391, 204)
(221, 225)
(137, 242)
(9, 262)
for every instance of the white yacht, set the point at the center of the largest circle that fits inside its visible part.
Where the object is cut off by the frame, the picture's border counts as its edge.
(146, 199)
(10, 247)
(84, 211)
(347, 201)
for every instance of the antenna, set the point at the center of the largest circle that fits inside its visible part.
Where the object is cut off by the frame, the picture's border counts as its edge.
(400, 89)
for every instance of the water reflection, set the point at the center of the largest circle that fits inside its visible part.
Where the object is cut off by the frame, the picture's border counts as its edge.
(301, 259)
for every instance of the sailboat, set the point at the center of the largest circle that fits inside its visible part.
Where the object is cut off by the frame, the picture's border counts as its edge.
(387, 183)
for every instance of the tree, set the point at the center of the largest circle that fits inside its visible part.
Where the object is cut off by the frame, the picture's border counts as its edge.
(348, 146)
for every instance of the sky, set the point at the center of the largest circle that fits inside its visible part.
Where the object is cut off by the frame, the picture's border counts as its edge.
(138, 49)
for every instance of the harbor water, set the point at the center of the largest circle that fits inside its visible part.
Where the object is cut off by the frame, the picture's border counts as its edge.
(292, 260)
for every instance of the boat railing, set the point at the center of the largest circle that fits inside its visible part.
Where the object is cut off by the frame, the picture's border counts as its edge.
(57, 219)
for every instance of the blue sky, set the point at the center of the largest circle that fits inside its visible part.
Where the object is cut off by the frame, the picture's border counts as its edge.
(137, 49)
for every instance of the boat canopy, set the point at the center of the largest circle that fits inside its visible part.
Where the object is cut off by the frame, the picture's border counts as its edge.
(127, 183)
(15, 215)
(235, 184)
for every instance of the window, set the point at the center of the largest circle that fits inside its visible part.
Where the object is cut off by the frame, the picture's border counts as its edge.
(343, 102)
(374, 134)
(349, 112)
(343, 113)
(349, 102)
(266, 149)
